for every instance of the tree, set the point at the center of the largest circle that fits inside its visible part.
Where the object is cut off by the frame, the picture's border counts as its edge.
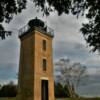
(61, 91)
(70, 74)
(9, 8)
(89, 8)
(9, 90)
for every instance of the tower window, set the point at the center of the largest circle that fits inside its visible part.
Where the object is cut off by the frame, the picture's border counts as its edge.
(44, 45)
(44, 64)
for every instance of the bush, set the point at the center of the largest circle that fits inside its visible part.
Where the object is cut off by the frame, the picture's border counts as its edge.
(9, 90)
(60, 91)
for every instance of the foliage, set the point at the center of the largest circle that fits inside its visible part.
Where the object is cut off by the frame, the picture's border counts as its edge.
(89, 8)
(61, 91)
(9, 90)
(9, 8)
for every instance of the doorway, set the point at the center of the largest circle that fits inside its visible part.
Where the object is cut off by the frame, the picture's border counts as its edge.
(44, 90)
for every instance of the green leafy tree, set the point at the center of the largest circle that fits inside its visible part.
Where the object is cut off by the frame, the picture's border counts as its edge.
(89, 8)
(60, 91)
(9, 90)
(9, 8)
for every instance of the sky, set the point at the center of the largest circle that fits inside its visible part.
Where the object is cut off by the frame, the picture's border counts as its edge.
(68, 42)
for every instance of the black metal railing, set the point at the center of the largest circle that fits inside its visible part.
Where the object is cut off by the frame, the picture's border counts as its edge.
(23, 30)
(47, 30)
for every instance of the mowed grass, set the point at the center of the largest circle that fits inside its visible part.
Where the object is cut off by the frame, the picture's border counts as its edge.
(59, 99)
(7, 98)
(79, 99)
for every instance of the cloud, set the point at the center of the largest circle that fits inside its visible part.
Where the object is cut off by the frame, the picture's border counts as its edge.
(9, 50)
(93, 61)
(8, 71)
(93, 71)
(66, 27)
(67, 42)
(77, 52)
(74, 51)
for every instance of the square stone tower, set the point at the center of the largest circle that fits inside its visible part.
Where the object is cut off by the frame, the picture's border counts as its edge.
(35, 80)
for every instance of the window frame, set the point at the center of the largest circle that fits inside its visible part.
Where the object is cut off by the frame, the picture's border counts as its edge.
(44, 45)
(44, 64)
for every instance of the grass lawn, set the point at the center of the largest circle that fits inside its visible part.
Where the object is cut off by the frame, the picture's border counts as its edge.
(80, 99)
(59, 99)
(7, 99)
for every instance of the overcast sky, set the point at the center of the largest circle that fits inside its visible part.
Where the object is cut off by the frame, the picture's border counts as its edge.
(68, 42)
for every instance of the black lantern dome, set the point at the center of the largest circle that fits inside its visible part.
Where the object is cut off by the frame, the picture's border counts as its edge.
(38, 25)
(36, 22)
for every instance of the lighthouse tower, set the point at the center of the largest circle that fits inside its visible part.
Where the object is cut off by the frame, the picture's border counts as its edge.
(35, 79)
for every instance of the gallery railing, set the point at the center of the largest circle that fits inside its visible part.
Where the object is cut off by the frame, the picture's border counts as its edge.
(47, 30)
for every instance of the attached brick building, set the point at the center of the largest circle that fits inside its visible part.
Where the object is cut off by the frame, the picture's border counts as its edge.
(35, 81)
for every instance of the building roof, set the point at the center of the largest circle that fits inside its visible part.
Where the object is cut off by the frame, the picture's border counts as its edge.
(38, 25)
